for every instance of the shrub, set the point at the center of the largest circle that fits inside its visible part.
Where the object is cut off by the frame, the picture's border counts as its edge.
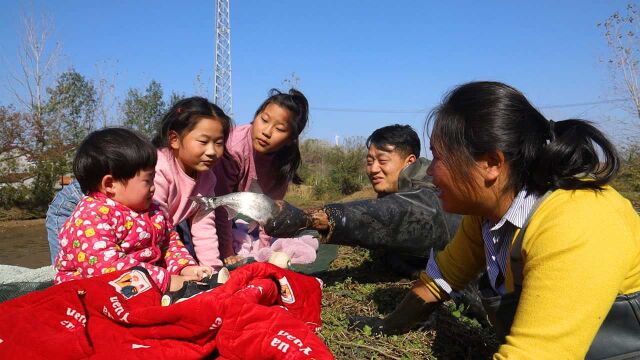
(333, 171)
(14, 196)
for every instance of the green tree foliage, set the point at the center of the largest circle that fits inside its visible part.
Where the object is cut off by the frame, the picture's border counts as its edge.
(174, 98)
(142, 112)
(11, 131)
(348, 166)
(40, 145)
(12, 154)
(68, 115)
(628, 180)
(72, 105)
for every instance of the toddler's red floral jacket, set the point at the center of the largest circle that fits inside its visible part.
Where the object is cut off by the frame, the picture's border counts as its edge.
(103, 236)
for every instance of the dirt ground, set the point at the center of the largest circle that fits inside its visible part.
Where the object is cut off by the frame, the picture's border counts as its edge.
(24, 243)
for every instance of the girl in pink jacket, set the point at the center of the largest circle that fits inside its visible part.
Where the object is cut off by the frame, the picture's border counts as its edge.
(116, 226)
(263, 156)
(190, 140)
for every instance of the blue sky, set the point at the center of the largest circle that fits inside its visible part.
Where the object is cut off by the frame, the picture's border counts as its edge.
(393, 59)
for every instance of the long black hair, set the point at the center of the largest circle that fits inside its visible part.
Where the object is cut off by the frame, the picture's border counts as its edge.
(288, 157)
(480, 117)
(184, 115)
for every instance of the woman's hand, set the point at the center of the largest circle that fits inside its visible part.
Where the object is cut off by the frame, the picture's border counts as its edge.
(416, 306)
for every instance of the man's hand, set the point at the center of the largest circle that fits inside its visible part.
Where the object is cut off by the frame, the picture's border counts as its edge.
(319, 219)
(287, 221)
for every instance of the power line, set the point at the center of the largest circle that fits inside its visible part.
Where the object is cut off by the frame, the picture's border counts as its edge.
(423, 111)
(379, 111)
(585, 103)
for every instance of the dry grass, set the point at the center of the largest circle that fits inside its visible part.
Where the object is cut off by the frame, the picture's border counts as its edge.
(355, 285)
(16, 214)
(302, 196)
(366, 193)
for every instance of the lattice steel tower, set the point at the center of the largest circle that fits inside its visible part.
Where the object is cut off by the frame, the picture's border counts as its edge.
(222, 72)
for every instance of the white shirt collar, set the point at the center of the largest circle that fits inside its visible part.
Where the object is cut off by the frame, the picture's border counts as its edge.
(518, 211)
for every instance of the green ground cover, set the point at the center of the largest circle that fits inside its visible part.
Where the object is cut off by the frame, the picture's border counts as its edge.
(357, 285)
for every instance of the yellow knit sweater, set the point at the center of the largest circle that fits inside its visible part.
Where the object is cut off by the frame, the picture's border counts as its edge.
(580, 250)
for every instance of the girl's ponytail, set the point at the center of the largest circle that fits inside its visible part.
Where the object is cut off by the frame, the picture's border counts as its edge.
(571, 161)
(480, 117)
(288, 160)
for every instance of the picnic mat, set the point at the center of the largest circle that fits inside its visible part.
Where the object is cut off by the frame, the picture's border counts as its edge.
(16, 281)
(325, 255)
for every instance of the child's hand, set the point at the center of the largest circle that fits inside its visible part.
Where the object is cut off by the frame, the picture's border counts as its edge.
(177, 281)
(197, 272)
(230, 260)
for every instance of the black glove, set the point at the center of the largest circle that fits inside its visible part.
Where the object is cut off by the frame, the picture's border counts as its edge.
(288, 221)
(411, 311)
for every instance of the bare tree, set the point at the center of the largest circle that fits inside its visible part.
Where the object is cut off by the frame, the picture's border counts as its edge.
(291, 81)
(36, 57)
(621, 31)
(202, 84)
(106, 95)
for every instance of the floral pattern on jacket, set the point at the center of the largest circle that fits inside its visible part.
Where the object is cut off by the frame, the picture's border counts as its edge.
(103, 236)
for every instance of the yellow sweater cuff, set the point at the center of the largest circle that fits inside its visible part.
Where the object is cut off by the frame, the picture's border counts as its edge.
(433, 287)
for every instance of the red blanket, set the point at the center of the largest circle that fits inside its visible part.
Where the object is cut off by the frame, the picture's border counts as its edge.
(262, 312)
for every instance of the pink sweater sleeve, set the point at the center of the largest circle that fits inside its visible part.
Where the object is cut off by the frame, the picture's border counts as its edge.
(161, 195)
(203, 229)
(173, 189)
(226, 172)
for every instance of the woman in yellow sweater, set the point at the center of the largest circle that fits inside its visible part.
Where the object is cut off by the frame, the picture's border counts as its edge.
(558, 247)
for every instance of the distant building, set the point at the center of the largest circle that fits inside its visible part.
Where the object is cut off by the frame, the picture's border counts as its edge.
(63, 181)
(16, 169)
